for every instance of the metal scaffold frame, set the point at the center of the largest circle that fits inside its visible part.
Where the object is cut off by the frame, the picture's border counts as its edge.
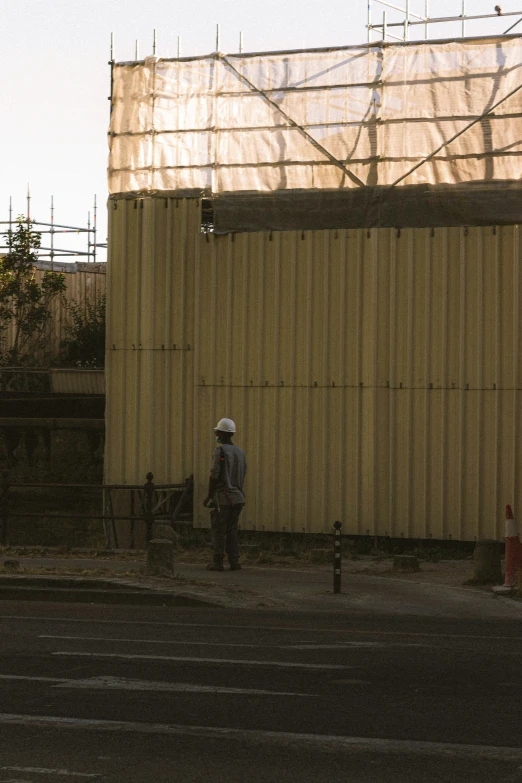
(51, 251)
(415, 19)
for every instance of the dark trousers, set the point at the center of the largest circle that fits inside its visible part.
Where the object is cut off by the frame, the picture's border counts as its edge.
(224, 533)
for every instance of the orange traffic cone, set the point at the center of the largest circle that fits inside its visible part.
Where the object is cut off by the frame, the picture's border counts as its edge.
(513, 550)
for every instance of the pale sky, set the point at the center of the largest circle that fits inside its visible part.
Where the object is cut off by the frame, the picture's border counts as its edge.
(55, 81)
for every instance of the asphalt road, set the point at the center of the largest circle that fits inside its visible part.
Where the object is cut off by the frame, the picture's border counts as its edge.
(135, 695)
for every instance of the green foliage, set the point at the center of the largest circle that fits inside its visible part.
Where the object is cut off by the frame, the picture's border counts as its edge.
(84, 345)
(24, 302)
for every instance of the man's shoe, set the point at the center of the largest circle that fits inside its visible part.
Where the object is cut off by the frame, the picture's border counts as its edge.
(215, 567)
(235, 566)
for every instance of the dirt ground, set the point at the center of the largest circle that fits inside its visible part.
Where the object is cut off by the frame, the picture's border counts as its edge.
(279, 587)
(453, 573)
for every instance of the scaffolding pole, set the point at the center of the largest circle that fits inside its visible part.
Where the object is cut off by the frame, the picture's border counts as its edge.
(52, 251)
(52, 231)
(412, 18)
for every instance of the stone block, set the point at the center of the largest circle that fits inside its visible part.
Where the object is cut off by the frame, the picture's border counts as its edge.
(487, 569)
(166, 533)
(160, 557)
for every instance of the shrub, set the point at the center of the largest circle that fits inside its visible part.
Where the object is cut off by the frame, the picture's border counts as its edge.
(25, 304)
(84, 345)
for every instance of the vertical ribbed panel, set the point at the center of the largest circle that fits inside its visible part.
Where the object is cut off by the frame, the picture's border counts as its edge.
(150, 335)
(374, 376)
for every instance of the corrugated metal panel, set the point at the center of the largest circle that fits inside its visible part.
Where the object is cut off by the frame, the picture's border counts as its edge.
(374, 376)
(84, 282)
(71, 381)
(150, 327)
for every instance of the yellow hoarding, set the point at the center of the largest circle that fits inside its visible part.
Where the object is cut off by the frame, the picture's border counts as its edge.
(374, 376)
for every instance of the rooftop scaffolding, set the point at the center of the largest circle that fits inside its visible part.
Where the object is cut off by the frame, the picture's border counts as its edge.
(402, 134)
(51, 250)
(422, 17)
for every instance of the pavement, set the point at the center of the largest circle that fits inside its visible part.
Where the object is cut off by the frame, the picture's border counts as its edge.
(368, 587)
(140, 694)
(262, 674)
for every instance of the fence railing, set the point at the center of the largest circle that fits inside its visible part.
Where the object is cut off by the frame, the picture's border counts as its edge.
(61, 380)
(148, 504)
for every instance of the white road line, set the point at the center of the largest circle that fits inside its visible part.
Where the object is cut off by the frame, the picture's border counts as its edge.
(351, 645)
(123, 656)
(32, 679)
(334, 743)
(16, 780)
(124, 684)
(45, 771)
(301, 646)
(281, 629)
(154, 641)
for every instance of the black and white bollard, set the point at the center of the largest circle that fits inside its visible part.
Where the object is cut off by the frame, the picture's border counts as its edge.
(337, 557)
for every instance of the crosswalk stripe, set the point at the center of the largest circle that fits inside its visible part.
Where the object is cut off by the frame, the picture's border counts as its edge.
(280, 628)
(183, 659)
(329, 742)
(125, 684)
(45, 771)
(300, 646)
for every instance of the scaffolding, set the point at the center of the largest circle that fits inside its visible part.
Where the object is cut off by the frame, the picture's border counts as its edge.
(421, 17)
(52, 251)
(385, 134)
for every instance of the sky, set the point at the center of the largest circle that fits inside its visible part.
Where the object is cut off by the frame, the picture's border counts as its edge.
(55, 84)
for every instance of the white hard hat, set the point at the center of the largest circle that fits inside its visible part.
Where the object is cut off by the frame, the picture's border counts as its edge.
(225, 425)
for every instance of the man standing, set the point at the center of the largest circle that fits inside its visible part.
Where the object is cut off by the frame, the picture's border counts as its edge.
(225, 496)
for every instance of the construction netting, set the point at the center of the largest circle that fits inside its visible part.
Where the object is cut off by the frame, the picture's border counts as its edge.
(396, 134)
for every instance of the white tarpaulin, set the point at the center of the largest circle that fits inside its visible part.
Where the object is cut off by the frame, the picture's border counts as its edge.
(355, 123)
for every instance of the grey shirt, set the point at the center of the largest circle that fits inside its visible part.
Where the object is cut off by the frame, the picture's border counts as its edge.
(229, 468)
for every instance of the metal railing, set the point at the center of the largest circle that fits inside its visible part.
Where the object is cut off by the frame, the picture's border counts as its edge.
(149, 504)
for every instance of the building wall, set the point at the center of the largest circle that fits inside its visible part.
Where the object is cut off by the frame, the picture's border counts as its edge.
(374, 376)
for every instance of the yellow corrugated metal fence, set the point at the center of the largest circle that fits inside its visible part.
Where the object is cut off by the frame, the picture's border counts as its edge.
(374, 376)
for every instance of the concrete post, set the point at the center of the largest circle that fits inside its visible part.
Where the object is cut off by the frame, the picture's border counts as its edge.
(148, 503)
(337, 557)
(160, 557)
(486, 563)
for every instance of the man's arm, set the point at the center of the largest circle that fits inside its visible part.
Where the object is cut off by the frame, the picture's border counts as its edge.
(215, 472)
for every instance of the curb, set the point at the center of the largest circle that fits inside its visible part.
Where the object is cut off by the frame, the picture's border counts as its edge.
(92, 591)
(125, 597)
(65, 582)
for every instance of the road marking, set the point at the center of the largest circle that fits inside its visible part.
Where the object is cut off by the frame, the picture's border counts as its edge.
(350, 682)
(339, 646)
(301, 646)
(350, 645)
(45, 771)
(32, 679)
(16, 780)
(282, 629)
(334, 743)
(123, 656)
(124, 684)
(154, 641)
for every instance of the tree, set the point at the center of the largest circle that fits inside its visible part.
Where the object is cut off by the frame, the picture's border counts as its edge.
(25, 303)
(84, 345)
